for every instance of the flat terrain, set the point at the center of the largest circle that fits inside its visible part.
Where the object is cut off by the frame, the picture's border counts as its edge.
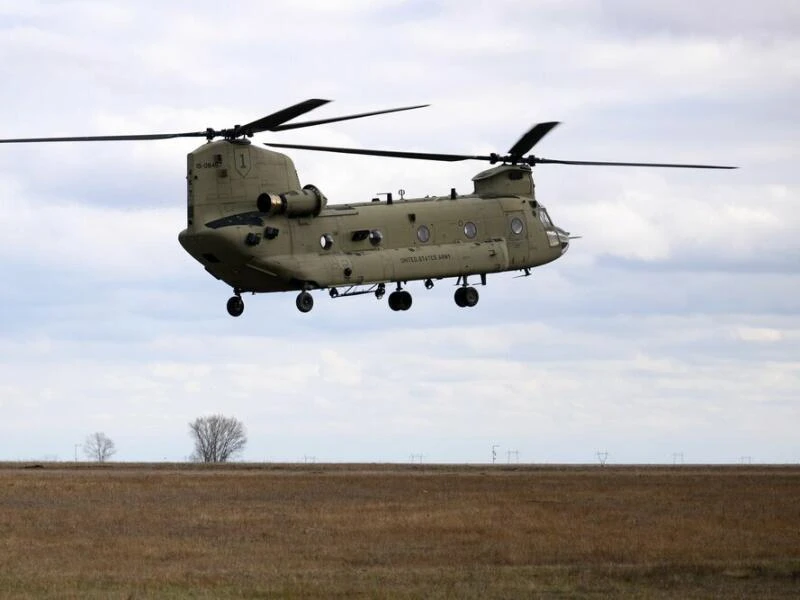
(259, 531)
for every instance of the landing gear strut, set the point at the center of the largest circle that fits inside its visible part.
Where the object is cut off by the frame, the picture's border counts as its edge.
(400, 299)
(235, 304)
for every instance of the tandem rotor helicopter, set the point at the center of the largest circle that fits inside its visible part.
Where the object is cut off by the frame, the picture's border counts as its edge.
(252, 225)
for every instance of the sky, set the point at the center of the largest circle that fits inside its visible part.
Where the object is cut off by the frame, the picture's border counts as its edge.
(668, 333)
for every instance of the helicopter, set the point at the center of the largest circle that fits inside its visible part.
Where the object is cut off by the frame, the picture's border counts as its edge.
(251, 224)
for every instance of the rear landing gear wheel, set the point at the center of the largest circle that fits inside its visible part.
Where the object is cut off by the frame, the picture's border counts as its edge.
(235, 306)
(304, 302)
(400, 300)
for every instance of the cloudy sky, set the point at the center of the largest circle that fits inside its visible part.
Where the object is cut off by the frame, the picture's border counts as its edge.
(670, 328)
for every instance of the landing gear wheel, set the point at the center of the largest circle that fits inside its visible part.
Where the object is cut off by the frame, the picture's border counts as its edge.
(406, 300)
(466, 297)
(394, 301)
(400, 300)
(471, 296)
(304, 302)
(235, 306)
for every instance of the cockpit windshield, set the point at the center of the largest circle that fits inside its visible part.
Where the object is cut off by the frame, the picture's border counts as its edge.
(545, 219)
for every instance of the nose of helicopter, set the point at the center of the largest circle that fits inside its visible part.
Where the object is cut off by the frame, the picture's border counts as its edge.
(563, 238)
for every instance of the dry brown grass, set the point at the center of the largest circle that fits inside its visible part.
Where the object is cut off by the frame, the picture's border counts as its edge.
(256, 531)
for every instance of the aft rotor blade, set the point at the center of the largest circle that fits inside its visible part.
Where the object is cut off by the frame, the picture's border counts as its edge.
(530, 139)
(271, 121)
(286, 126)
(535, 160)
(390, 153)
(107, 138)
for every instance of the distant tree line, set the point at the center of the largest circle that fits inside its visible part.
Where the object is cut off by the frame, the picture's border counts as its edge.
(216, 439)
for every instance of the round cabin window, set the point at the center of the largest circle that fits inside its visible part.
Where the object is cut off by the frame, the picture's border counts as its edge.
(423, 234)
(470, 230)
(326, 241)
(517, 226)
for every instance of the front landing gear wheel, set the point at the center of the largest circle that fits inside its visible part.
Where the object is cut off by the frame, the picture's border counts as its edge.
(304, 302)
(471, 296)
(235, 306)
(466, 297)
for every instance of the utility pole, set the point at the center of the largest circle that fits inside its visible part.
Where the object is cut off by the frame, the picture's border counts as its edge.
(76, 452)
(494, 453)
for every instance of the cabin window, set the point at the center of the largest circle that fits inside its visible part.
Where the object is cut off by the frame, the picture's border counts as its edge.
(326, 241)
(470, 230)
(423, 234)
(545, 219)
(517, 226)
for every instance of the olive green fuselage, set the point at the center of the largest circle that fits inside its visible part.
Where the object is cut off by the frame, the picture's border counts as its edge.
(252, 225)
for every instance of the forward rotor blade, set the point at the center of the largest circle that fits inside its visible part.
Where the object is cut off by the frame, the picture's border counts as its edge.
(271, 121)
(391, 153)
(530, 139)
(535, 160)
(345, 118)
(107, 138)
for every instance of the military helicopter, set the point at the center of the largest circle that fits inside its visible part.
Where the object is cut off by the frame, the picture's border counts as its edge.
(252, 225)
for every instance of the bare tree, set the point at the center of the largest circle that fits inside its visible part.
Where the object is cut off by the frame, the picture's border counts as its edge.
(217, 438)
(99, 447)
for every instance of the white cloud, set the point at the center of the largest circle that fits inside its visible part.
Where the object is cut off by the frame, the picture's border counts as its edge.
(72, 237)
(639, 380)
(757, 334)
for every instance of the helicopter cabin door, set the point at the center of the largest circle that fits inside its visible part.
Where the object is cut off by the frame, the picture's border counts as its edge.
(517, 238)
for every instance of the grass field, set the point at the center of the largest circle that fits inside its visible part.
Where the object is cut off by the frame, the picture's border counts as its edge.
(386, 531)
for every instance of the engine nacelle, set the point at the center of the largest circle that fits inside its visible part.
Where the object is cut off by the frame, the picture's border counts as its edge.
(300, 203)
